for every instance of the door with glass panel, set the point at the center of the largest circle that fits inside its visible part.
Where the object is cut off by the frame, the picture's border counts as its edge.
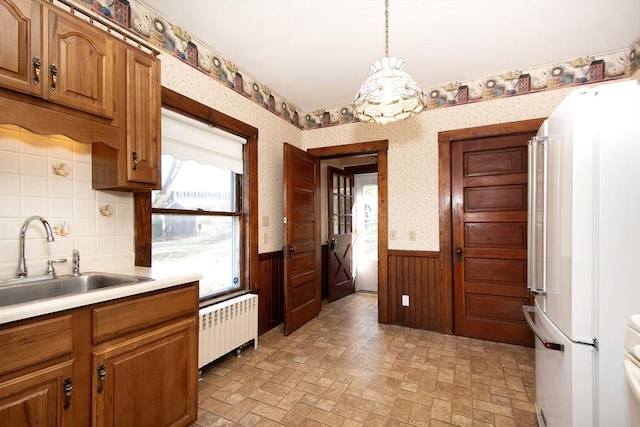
(340, 259)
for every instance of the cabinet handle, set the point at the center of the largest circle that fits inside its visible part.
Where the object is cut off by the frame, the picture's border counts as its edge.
(36, 70)
(102, 373)
(134, 156)
(54, 76)
(67, 385)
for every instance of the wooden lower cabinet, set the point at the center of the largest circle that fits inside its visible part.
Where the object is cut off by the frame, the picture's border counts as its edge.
(127, 362)
(142, 381)
(41, 398)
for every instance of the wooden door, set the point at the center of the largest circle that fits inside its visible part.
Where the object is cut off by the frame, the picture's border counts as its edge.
(141, 381)
(143, 117)
(489, 241)
(80, 65)
(21, 59)
(340, 260)
(302, 258)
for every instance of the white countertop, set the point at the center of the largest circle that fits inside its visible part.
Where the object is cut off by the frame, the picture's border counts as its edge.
(162, 279)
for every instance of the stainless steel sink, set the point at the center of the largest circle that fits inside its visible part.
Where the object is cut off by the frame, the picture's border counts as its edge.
(29, 291)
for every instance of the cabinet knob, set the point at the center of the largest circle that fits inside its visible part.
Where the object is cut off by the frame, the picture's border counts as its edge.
(54, 76)
(102, 373)
(134, 157)
(36, 70)
(67, 385)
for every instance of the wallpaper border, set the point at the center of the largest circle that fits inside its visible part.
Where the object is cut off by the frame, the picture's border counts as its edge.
(157, 30)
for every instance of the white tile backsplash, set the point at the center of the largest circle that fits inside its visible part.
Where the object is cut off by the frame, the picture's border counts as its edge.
(10, 162)
(29, 186)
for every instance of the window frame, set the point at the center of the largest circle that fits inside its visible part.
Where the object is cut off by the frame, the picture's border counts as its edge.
(247, 187)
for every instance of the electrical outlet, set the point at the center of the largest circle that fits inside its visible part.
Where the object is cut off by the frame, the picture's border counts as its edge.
(412, 235)
(393, 235)
(265, 220)
(405, 300)
(266, 237)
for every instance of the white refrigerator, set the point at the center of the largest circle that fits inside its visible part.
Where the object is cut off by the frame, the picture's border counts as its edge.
(584, 253)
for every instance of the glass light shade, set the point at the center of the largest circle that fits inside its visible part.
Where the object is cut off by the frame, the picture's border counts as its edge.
(389, 94)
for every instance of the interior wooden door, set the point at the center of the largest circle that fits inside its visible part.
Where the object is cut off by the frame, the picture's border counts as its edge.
(340, 207)
(489, 241)
(302, 258)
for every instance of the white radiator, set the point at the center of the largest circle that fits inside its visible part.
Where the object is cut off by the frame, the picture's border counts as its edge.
(227, 326)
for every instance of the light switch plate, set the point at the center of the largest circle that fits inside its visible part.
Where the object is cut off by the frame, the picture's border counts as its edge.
(405, 300)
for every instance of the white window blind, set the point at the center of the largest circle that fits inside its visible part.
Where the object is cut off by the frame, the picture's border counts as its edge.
(187, 139)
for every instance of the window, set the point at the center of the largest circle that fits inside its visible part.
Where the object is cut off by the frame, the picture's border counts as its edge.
(197, 216)
(244, 213)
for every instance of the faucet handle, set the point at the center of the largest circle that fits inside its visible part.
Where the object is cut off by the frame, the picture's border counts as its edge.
(50, 271)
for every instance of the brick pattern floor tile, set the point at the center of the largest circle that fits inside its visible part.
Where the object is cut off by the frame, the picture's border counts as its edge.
(344, 369)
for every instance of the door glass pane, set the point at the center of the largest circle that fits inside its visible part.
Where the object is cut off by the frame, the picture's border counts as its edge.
(348, 186)
(336, 205)
(341, 186)
(336, 224)
(335, 183)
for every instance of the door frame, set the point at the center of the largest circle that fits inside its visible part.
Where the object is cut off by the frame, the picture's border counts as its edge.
(445, 211)
(380, 148)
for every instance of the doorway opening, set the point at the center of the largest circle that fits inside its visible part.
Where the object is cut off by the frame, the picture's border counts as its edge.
(350, 153)
(349, 212)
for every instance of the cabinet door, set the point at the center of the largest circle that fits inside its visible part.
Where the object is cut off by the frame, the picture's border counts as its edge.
(39, 398)
(149, 380)
(80, 65)
(143, 117)
(20, 56)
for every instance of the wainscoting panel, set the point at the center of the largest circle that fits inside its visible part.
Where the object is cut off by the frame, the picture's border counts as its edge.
(271, 291)
(417, 274)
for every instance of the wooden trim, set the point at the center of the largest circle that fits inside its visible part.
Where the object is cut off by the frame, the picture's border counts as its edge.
(142, 228)
(180, 103)
(380, 149)
(444, 187)
(409, 253)
(359, 169)
(142, 201)
(335, 151)
(269, 255)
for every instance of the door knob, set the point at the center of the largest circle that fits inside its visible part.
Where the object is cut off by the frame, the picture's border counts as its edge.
(459, 253)
(333, 244)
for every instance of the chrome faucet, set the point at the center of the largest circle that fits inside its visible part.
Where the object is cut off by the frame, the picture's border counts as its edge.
(76, 262)
(22, 263)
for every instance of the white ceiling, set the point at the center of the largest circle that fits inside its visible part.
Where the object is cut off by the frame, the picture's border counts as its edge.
(316, 53)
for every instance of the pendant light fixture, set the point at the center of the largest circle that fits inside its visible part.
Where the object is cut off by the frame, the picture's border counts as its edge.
(389, 94)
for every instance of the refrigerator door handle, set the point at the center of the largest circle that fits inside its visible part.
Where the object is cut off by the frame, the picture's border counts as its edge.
(531, 213)
(527, 309)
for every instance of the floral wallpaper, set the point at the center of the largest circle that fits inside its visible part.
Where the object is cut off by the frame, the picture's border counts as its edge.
(145, 22)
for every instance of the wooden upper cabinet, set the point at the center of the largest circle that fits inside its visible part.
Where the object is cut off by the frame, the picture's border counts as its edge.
(20, 46)
(143, 117)
(80, 65)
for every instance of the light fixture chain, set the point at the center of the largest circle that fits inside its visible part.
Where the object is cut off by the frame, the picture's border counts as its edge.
(386, 28)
